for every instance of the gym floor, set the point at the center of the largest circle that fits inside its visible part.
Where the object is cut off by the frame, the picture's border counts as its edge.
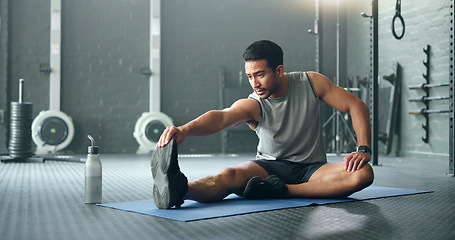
(46, 201)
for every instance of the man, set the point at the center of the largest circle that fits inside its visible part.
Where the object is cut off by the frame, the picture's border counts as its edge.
(291, 161)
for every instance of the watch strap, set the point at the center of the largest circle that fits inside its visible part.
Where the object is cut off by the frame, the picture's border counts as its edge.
(363, 148)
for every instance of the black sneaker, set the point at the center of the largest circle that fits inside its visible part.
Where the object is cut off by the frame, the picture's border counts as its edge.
(169, 185)
(271, 187)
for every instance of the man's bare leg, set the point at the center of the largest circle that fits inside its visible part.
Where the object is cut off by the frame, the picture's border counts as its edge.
(332, 180)
(230, 180)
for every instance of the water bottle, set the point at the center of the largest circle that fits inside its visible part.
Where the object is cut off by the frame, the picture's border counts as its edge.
(93, 174)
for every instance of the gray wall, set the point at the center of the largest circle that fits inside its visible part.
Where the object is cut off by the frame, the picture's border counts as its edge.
(3, 72)
(210, 35)
(426, 24)
(105, 44)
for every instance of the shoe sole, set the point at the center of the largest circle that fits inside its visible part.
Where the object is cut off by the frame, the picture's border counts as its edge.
(249, 185)
(251, 189)
(161, 164)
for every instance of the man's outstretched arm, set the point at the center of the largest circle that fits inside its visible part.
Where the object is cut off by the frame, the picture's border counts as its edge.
(213, 121)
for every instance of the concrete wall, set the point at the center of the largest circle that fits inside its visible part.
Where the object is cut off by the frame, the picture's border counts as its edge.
(105, 44)
(210, 35)
(3, 73)
(426, 24)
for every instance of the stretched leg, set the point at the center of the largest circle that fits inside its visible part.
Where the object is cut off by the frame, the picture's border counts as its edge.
(332, 180)
(230, 180)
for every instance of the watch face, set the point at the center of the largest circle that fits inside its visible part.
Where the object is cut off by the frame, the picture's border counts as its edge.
(364, 149)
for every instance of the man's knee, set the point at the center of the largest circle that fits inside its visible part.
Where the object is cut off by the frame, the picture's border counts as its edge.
(233, 178)
(364, 177)
(227, 174)
(228, 177)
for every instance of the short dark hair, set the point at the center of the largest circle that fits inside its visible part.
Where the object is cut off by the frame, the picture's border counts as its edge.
(265, 49)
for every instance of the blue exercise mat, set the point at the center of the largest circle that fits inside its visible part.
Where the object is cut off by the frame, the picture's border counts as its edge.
(234, 205)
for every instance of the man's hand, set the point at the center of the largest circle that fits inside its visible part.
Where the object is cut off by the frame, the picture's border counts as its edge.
(354, 161)
(171, 133)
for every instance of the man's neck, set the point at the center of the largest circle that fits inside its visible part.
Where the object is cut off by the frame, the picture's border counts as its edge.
(283, 86)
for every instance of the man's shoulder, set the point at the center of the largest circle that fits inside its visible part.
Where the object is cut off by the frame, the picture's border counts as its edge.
(251, 107)
(296, 76)
(246, 104)
(253, 96)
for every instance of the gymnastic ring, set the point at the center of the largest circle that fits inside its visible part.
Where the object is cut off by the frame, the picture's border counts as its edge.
(393, 26)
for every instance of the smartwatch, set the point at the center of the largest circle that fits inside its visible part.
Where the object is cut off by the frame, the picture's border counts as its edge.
(363, 149)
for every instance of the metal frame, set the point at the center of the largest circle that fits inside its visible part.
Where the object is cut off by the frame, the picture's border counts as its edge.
(315, 31)
(451, 107)
(155, 56)
(337, 118)
(147, 145)
(54, 70)
(55, 55)
(374, 64)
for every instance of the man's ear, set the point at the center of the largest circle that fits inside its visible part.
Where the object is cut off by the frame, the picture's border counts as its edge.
(279, 70)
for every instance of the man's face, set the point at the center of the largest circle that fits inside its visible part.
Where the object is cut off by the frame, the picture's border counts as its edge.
(263, 79)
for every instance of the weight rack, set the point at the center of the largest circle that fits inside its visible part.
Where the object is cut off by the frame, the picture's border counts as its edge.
(427, 99)
(451, 113)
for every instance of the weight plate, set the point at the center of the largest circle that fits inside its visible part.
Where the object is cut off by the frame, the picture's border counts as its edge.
(53, 131)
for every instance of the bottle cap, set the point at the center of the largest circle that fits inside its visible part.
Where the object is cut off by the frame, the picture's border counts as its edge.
(92, 149)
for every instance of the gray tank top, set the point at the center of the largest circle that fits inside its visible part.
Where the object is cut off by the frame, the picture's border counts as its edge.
(289, 127)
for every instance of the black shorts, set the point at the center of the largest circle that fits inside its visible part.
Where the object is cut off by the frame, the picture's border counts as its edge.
(289, 172)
